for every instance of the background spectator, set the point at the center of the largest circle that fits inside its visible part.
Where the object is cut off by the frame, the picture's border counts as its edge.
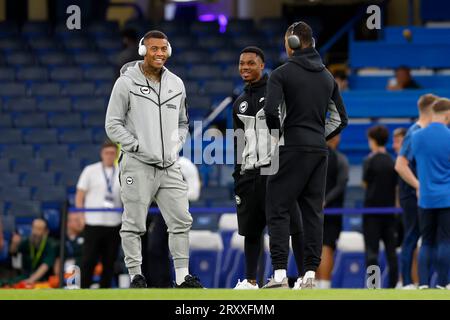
(98, 187)
(380, 181)
(402, 80)
(130, 48)
(38, 253)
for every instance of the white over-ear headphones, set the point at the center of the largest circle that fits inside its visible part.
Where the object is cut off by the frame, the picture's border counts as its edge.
(294, 41)
(142, 50)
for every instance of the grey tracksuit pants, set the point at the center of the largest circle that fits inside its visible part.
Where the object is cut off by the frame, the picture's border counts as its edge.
(140, 185)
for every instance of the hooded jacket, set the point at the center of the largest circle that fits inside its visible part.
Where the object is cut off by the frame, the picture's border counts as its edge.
(248, 116)
(299, 95)
(148, 119)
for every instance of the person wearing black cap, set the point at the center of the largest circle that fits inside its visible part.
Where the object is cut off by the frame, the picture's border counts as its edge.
(249, 179)
(300, 93)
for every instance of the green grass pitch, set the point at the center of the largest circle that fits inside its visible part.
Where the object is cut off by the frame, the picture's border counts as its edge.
(224, 294)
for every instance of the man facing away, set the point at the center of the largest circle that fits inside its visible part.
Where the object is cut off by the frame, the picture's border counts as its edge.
(299, 95)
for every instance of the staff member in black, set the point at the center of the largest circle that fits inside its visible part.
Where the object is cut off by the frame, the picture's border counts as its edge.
(249, 181)
(299, 95)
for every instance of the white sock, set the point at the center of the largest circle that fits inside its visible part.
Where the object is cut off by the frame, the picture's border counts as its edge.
(279, 275)
(308, 275)
(180, 274)
(324, 284)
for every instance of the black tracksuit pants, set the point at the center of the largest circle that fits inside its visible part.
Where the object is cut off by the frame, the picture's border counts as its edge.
(301, 177)
(100, 244)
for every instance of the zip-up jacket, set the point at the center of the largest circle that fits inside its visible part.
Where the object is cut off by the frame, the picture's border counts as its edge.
(148, 119)
(299, 95)
(249, 117)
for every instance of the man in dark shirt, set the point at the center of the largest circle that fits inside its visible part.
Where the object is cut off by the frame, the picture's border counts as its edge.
(300, 93)
(402, 80)
(380, 181)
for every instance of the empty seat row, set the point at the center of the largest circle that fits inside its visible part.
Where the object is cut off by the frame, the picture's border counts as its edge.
(48, 193)
(52, 104)
(52, 136)
(52, 120)
(49, 151)
(40, 179)
(60, 73)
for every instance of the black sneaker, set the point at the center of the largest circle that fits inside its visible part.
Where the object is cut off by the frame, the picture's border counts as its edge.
(190, 282)
(138, 282)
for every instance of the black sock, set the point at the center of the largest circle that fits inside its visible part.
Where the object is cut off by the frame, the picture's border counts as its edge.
(252, 249)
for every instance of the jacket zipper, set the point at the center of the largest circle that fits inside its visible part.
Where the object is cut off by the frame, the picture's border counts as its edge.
(255, 105)
(160, 120)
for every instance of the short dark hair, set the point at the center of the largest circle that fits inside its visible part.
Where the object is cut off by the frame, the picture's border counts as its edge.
(399, 132)
(109, 143)
(44, 220)
(255, 50)
(406, 68)
(303, 31)
(379, 133)
(155, 34)
(341, 74)
(441, 105)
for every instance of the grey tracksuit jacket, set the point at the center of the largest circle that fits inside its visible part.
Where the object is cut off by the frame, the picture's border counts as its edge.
(148, 119)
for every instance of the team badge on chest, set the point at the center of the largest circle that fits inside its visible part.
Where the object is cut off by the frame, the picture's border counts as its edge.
(243, 106)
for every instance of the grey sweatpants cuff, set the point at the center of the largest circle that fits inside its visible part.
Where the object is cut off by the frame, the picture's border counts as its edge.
(135, 270)
(181, 263)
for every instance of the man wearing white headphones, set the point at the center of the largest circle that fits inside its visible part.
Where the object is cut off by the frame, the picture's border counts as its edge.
(299, 95)
(147, 115)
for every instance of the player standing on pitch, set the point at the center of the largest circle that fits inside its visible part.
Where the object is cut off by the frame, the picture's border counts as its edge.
(299, 95)
(147, 115)
(249, 183)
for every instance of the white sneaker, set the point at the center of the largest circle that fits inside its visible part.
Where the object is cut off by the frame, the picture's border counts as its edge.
(409, 287)
(297, 284)
(423, 287)
(245, 285)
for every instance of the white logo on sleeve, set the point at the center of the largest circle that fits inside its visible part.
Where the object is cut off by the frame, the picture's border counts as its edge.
(261, 100)
(129, 180)
(243, 106)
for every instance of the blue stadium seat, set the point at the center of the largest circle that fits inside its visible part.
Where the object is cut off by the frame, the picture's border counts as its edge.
(8, 28)
(105, 73)
(64, 120)
(8, 179)
(43, 45)
(66, 73)
(94, 120)
(75, 136)
(52, 59)
(192, 87)
(172, 28)
(79, 89)
(30, 120)
(64, 165)
(104, 88)
(7, 74)
(19, 59)
(9, 226)
(53, 150)
(32, 74)
(182, 42)
(69, 178)
(226, 57)
(38, 179)
(89, 58)
(272, 26)
(198, 102)
(244, 41)
(18, 151)
(33, 29)
(50, 194)
(53, 218)
(99, 135)
(22, 165)
(213, 43)
(11, 45)
(11, 89)
(15, 194)
(109, 45)
(44, 136)
(55, 104)
(6, 121)
(205, 72)
(5, 165)
(179, 70)
(84, 151)
(219, 87)
(10, 136)
(97, 104)
(45, 89)
(191, 57)
(205, 256)
(77, 44)
(240, 26)
(101, 29)
(20, 105)
(215, 193)
(204, 28)
(25, 209)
